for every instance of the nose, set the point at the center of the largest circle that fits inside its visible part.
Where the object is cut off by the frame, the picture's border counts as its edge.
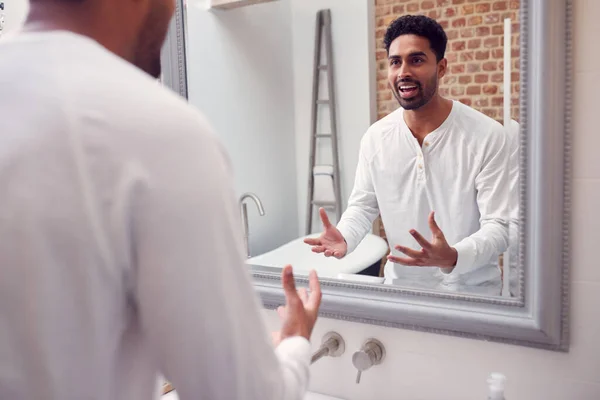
(404, 71)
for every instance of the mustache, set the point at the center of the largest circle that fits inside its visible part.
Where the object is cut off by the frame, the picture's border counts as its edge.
(404, 80)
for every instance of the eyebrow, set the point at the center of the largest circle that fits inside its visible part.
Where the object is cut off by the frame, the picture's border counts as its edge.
(413, 54)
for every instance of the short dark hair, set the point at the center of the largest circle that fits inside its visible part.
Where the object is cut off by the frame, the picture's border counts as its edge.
(418, 25)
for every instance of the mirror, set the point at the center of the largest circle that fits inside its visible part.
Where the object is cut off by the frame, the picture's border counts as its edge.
(387, 151)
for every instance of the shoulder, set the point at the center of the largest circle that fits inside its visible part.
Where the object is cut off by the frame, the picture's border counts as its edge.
(478, 128)
(374, 136)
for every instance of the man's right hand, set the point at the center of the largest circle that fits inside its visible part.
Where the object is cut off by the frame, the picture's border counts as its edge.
(331, 242)
(300, 312)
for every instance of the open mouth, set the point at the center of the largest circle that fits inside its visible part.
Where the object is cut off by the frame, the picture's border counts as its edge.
(407, 90)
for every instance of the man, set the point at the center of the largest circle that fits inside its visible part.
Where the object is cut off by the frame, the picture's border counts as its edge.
(120, 252)
(433, 164)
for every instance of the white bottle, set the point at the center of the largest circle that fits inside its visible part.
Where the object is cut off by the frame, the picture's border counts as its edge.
(496, 386)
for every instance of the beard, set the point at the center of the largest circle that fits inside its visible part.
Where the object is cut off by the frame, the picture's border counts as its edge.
(151, 38)
(422, 95)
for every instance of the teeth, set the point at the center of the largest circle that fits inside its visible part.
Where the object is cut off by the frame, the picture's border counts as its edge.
(407, 87)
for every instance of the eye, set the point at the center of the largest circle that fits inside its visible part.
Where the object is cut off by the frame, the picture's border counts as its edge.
(394, 61)
(418, 60)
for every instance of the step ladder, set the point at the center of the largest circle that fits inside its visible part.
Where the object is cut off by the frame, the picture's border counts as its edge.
(323, 36)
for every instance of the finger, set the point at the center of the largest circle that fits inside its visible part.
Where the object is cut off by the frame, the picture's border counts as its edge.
(411, 262)
(421, 240)
(281, 312)
(328, 253)
(289, 286)
(314, 301)
(313, 241)
(435, 229)
(324, 218)
(276, 338)
(303, 294)
(337, 254)
(318, 249)
(410, 252)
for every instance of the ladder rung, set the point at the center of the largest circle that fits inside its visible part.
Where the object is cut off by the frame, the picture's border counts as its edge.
(324, 203)
(323, 135)
(322, 101)
(323, 67)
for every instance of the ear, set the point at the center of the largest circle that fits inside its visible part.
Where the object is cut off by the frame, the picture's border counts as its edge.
(442, 67)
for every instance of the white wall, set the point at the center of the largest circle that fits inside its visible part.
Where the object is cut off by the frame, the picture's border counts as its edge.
(433, 367)
(240, 77)
(15, 12)
(354, 66)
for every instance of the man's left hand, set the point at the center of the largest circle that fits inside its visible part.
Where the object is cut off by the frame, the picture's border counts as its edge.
(436, 253)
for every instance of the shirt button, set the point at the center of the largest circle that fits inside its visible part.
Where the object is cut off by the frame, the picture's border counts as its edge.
(420, 166)
(426, 143)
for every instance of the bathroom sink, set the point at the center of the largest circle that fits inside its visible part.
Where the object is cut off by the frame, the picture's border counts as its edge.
(309, 396)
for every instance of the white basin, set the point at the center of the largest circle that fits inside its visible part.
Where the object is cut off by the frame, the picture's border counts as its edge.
(299, 255)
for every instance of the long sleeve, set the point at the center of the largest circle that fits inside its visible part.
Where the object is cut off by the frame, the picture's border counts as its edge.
(362, 208)
(492, 185)
(192, 291)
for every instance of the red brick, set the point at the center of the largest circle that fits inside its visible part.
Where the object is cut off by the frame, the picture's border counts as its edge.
(473, 67)
(381, 86)
(383, 96)
(467, 32)
(465, 79)
(481, 78)
(380, 55)
(492, 19)
(379, 33)
(500, 5)
(466, 101)
(482, 55)
(490, 112)
(474, 43)
(449, 12)
(490, 89)
(412, 7)
(481, 102)
(473, 90)
(458, 1)
(434, 14)
(490, 66)
(467, 56)
(457, 69)
(514, 5)
(515, 76)
(482, 30)
(475, 20)
(444, 91)
(452, 57)
(444, 24)
(482, 8)
(468, 9)
(450, 80)
(459, 23)
(498, 53)
(512, 15)
(514, 101)
(457, 91)
(498, 30)
(382, 11)
(458, 46)
(514, 53)
(399, 9)
(443, 3)
(452, 34)
(427, 5)
(382, 75)
(497, 101)
(491, 42)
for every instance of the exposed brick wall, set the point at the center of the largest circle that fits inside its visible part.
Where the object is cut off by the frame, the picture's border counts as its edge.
(475, 50)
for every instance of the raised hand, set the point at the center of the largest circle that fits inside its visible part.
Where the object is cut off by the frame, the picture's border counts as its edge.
(436, 253)
(301, 309)
(331, 242)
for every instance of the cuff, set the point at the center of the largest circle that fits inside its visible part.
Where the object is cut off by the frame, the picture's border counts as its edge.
(466, 256)
(295, 347)
(348, 237)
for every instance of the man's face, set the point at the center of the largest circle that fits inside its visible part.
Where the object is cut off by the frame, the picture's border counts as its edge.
(413, 71)
(152, 35)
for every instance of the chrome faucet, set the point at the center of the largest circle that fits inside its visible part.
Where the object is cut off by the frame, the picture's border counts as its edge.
(244, 211)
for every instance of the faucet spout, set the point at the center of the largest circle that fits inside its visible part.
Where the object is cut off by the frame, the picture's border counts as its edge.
(244, 212)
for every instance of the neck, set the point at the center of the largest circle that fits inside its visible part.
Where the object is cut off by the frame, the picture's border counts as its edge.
(87, 19)
(428, 118)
